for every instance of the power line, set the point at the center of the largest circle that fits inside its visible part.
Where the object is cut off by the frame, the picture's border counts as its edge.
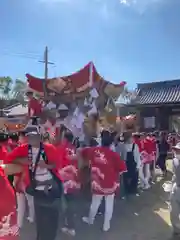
(21, 55)
(6, 50)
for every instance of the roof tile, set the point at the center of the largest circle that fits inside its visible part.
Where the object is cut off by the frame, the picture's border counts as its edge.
(158, 94)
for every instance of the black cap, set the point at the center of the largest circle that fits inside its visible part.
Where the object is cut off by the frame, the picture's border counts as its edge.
(35, 133)
(29, 92)
(34, 129)
(34, 117)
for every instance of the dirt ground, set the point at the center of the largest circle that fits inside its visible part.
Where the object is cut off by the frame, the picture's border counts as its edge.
(139, 218)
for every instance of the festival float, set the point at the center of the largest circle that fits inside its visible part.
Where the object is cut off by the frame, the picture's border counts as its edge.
(78, 100)
(83, 102)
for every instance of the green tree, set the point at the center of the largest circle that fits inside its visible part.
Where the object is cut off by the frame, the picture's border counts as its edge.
(5, 87)
(129, 96)
(11, 92)
(18, 90)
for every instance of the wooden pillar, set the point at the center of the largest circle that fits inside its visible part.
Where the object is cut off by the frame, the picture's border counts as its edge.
(158, 119)
(138, 120)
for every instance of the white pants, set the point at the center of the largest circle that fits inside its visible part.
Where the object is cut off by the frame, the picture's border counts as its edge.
(147, 172)
(109, 205)
(144, 174)
(141, 175)
(21, 207)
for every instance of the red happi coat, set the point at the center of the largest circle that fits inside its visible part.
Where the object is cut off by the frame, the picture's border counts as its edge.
(3, 154)
(154, 149)
(8, 222)
(22, 152)
(11, 145)
(69, 168)
(147, 152)
(18, 180)
(142, 151)
(34, 107)
(106, 166)
(139, 144)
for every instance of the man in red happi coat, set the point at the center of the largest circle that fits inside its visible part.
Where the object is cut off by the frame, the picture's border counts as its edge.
(34, 105)
(106, 167)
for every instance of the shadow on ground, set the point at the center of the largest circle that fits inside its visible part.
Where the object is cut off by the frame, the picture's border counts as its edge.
(139, 218)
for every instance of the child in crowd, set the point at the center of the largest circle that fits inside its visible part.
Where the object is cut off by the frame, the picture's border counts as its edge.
(70, 176)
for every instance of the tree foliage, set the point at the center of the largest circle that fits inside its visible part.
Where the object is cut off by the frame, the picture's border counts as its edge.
(126, 102)
(11, 92)
(129, 95)
(18, 90)
(5, 87)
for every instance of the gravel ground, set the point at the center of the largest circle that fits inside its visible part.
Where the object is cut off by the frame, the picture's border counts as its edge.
(139, 218)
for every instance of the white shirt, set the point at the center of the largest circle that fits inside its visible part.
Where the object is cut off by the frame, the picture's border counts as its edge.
(42, 174)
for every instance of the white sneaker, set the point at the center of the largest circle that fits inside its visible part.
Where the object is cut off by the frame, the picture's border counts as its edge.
(106, 226)
(64, 229)
(87, 220)
(31, 220)
(142, 185)
(147, 186)
(71, 232)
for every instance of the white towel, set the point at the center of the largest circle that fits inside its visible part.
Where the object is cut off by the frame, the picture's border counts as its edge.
(93, 92)
(51, 105)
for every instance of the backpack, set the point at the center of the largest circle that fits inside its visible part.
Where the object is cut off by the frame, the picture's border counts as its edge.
(50, 193)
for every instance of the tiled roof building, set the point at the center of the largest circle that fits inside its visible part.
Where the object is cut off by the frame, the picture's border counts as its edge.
(167, 92)
(158, 105)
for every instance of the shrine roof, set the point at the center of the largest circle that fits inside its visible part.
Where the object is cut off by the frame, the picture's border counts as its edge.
(158, 93)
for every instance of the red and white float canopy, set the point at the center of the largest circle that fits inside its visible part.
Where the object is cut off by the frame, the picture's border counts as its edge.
(77, 84)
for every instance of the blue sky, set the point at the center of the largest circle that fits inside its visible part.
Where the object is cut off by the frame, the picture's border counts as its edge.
(132, 40)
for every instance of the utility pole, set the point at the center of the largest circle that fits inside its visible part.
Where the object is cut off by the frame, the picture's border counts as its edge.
(46, 63)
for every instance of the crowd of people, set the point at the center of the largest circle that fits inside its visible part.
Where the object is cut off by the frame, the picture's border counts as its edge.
(47, 171)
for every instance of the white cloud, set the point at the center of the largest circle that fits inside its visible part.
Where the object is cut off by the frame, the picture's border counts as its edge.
(140, 5)
(136, 2)
(125, 2)
(105, 9)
